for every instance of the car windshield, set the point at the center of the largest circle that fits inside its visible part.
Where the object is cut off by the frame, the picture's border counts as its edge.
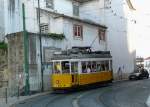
(136, 71)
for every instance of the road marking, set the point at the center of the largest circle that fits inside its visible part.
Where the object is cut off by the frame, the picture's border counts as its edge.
(148, 102)
(75, 102)
(145, 87)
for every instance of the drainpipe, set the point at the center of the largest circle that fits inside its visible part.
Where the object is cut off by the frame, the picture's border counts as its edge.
(42, 82)
(26, 56)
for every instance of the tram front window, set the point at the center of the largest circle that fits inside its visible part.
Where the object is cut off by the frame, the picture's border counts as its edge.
(65, 67)
(74, 67)
(57, 68)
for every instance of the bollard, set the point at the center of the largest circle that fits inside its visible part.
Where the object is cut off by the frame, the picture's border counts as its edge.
(6, 95)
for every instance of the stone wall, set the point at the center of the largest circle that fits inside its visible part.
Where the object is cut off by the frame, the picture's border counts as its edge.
(3, 66)
(15, 60)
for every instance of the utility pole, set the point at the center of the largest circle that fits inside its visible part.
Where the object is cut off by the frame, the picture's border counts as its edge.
(26, 58)
(39, 13)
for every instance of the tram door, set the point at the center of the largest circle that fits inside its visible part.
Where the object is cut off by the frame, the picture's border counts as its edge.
(74, 72)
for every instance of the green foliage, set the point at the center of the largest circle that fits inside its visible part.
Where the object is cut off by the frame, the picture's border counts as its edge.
(56, 36)
(3, 45)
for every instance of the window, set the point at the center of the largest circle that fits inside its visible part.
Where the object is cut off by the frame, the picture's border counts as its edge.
(74, 67)
(78, 31)
(44, 28)
(102, 35)
(93, 66)
(49, 4)
(57, 67)
(65, 67)
(75, 10)
(84, 67)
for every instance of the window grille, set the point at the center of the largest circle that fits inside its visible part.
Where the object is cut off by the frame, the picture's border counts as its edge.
(44, 28)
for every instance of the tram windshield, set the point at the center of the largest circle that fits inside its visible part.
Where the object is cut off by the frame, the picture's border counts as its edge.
(57, 67)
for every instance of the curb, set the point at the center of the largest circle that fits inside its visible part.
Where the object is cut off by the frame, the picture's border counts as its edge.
(115, 81)
(29, 97)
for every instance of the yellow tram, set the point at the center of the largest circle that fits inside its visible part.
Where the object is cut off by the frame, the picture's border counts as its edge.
(72, 70)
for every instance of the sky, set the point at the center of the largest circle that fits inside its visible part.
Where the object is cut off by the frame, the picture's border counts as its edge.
(143, 27)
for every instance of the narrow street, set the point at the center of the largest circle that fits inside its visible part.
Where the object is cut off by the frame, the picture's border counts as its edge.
(120, 94)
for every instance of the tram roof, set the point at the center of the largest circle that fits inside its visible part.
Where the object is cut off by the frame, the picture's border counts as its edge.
(81, 56)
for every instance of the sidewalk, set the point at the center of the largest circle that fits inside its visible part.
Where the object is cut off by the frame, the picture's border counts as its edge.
(13, 100)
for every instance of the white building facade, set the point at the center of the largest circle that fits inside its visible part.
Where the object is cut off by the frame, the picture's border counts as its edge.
(57, 17)
(96, 23)
(147, 64)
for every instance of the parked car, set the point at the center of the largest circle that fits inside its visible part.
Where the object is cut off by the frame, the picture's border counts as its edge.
(141, 74)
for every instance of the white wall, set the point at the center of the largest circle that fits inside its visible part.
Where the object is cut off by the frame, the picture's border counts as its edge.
(63, 6)
(121, 36)
(13, 16)
(143, 26)
(147, 64)
(93, 10)
(121, 29)
(90, 33)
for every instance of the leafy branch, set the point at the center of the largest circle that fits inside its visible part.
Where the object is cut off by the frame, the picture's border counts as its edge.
(56, 36)
(3, 45)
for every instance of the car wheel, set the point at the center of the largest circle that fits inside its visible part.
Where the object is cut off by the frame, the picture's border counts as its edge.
(147, 77)
(140, 78)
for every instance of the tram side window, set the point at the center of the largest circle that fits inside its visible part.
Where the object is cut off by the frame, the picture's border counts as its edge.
(103, 66)
(93, 67)
(74, 67)
(98, 68)
(106, 65)
(57, 67)
(65, 67)
(84, 67)
(110, 65)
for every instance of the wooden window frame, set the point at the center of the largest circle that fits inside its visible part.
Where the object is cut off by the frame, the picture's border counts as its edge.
(102, 35)
(78, 31)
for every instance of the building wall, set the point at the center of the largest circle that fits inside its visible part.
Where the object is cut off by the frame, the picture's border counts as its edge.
(120, 20)
(93, 10)
(119, 39)
(147, 65)
(90, 36)
(121, 36)
(15, 62)
(64, 7)
(2, 20)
